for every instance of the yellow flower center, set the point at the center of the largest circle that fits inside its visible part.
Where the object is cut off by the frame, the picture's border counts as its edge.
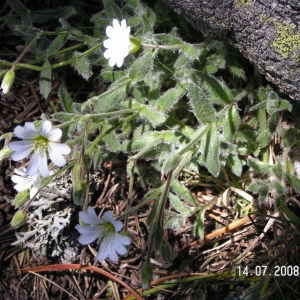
(40, 144)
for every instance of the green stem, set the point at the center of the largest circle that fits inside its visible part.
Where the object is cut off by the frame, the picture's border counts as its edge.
(174, 47)
(101, 136)
(23, 53)
(262, 120)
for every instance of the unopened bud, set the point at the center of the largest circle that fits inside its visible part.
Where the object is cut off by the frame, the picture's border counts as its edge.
(18, 219)
(135, 44)
(8, 81)
(5, 152)
(21, 198)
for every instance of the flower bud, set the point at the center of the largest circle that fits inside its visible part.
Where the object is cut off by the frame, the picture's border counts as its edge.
(165, 251)
(5, 152)
(21, 198)
(146, 275)
(135, 44)
(18, 219)
(8, 81)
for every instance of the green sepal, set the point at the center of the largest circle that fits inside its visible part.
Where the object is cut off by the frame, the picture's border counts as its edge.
(21, 198)
(18, 219)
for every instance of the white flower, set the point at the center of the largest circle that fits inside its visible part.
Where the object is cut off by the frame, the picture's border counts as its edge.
(25, 182)
(106, 231)
(42, 144)
(120, 43)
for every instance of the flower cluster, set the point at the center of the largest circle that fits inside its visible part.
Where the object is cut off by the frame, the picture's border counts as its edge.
(106, 230)
(41, 144)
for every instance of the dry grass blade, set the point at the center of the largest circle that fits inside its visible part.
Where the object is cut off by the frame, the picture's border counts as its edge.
(53, 283)
(79, 267)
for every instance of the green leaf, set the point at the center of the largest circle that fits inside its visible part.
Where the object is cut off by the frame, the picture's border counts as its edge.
(230, 123)
(214, 63)
(289, 138)
(236, 69)
(158, 237)
(111, 139)
(191, 51)
(183, 192)
(140, 142)
(235, 164)
(65, 11)
(57, 43)
(17, 6)
(111, 98)
(261, 187)
(141, 67)
(168, 40)
(293, 181)
(210, 149)
(112, 10)
(285, 105)
(179, 206)
(260, 166)
(199, 224)
(18, 219)
(272, 102)
(170, 98)
(277, 170)
(45, 80)
(146, 275)
(166, 252)
(264, 138)
(202, 108)
(290, 215)
(82, 65)
(28, 30)
(65, 99)
(245, 135)
(218, 90)
(273, 122)
(152, 115)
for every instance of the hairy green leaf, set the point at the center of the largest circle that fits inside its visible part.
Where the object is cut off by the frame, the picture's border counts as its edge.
(45, 80)
(202, 108)
(65, 99)
(217, 89)
(170, 97)
(230, 123)
(260, 166)
(210, 149)
(82, 65)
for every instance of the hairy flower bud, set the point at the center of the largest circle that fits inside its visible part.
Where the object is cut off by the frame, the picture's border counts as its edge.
(21, 198)
(8, 81)
(18, 219)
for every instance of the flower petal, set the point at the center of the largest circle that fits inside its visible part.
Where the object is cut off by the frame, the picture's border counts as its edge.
(90, 217)
(56, 152)
(45, 129)
(22, 183)
(38, 162)
(54, 135)
(89, 234)
(27, 131)
(22, 149)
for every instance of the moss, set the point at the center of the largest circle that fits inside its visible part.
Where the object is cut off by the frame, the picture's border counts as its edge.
(243, 2)
(287, 41)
